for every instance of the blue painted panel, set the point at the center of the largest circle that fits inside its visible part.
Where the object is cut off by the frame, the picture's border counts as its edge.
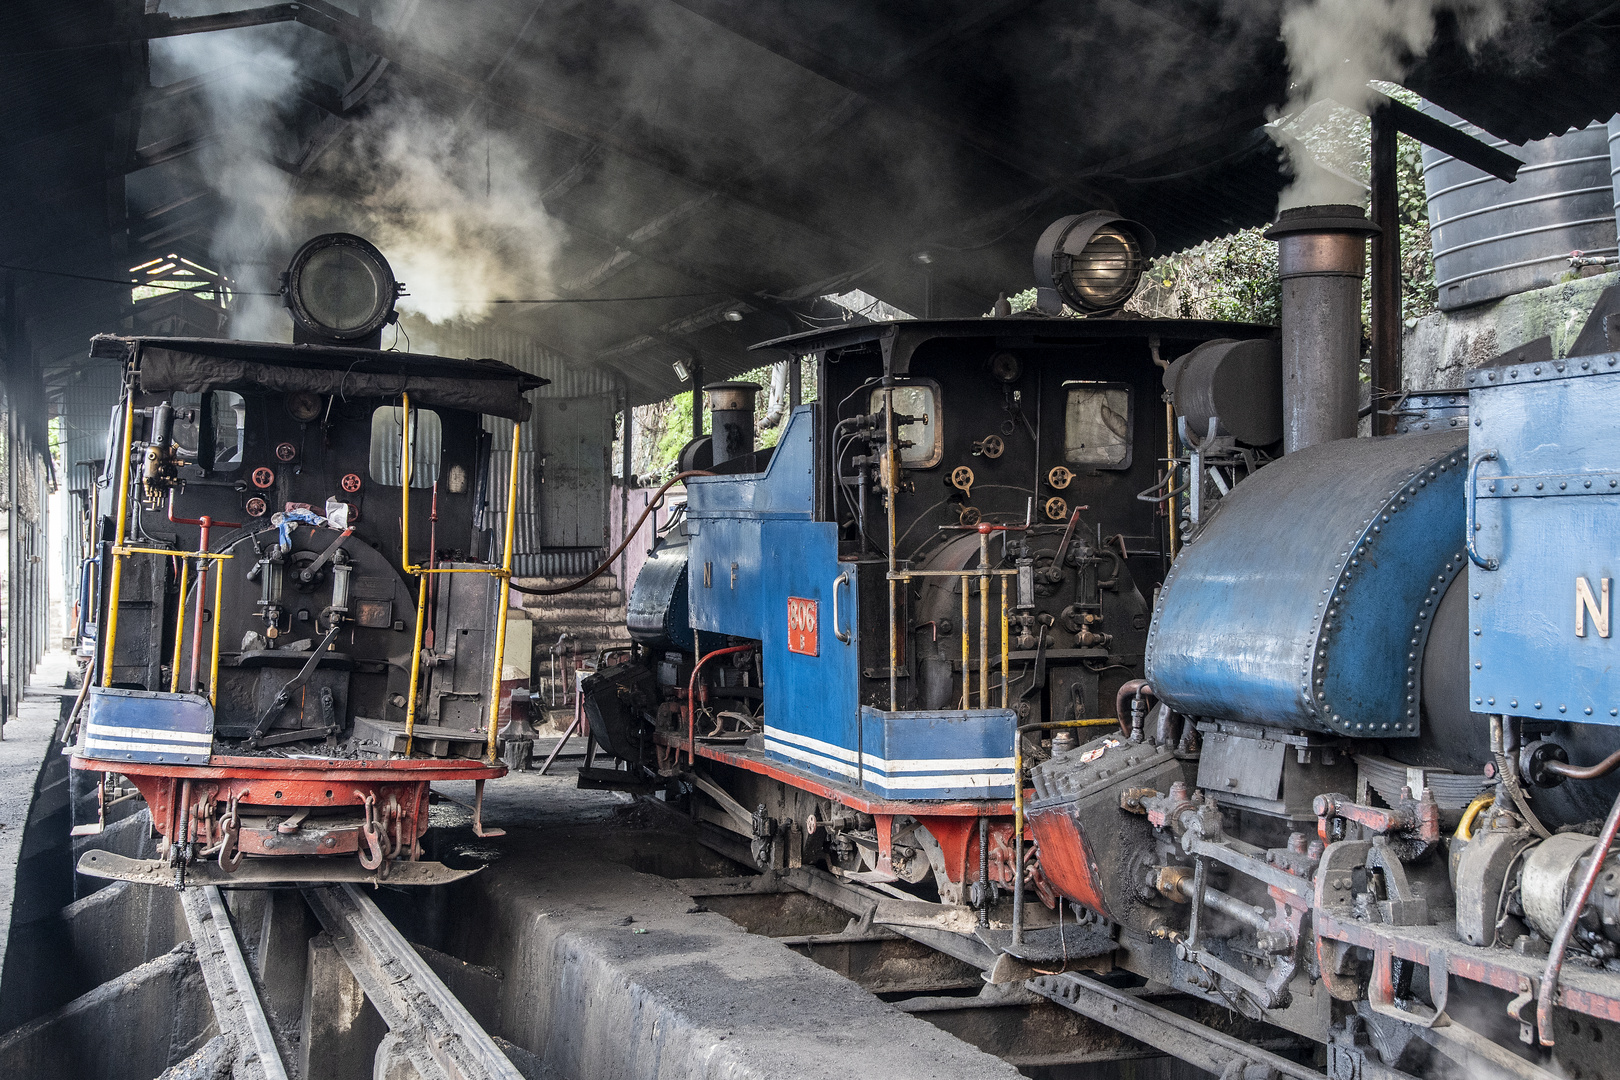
(138, 725)
(1546, 508)
(947, 754)
(912, 756)
(1279, 612)
(759, 527)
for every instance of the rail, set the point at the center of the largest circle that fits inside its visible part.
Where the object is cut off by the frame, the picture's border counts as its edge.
(437, 1033)
(237, 1009)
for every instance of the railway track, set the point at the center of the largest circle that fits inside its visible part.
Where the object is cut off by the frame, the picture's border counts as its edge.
(427, 1026)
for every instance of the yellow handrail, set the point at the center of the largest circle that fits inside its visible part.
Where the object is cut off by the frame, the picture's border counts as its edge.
(416, 661)
(170, 551)
(422, 572)
(117, 583)
(213, 664)
(506, 591)
(405, 488)
(179, 627)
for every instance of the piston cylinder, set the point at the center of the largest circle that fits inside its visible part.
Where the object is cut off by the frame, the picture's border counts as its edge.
(1322, 255)
(731, 419)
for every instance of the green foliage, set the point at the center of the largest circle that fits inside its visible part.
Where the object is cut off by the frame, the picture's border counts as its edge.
(663, 428)
(1233, 278)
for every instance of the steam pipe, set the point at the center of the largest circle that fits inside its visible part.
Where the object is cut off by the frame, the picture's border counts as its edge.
(1322, 252)
(1589, 772)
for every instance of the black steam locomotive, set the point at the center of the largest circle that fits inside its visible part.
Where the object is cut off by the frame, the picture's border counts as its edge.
(301, 601)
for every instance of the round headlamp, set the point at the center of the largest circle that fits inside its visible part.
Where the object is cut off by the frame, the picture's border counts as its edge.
(340, 290)
(1092, 261)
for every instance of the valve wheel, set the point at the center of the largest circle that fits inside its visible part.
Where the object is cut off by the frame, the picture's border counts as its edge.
(263, 477)
(1056, 509)
(350, 482)
(1059, 477)
(969, 516)
(962, 479)
(992, 446)
(257, 507)
(286, 452)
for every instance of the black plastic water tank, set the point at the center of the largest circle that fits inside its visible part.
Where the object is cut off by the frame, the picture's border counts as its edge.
(1492, 238)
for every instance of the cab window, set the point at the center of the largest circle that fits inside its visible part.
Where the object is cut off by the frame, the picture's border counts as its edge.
(1097, 425)
(225, 416)
(919, 399)
(427, 443)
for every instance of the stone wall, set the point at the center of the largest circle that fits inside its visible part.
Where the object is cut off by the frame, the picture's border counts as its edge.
(1438, 349)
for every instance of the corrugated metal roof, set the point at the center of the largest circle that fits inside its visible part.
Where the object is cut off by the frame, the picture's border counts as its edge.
(736, 158)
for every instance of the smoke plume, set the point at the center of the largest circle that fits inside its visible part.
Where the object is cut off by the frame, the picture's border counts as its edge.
(1335, 48)
(451, 203)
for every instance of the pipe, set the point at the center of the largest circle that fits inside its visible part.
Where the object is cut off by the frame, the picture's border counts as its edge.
(506, 593)
(984, 620)
(691, 699)
(967, 669)
(1572, 914)
(891, 473)
(1589, 772)
(1132, 688)
(1322, 252)
(629, 534)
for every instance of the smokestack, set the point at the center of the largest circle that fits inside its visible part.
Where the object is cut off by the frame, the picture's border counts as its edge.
(1322, 251)
(731, 419)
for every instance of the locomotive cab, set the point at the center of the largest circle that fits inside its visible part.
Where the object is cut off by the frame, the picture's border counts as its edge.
(946, 560)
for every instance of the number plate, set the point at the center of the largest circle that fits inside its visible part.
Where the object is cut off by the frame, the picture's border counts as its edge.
(802, 636)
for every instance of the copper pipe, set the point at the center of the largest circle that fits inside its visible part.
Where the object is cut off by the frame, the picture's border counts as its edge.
(691, 698)
(1130, 689)
(1566, 928)
(1588, 772)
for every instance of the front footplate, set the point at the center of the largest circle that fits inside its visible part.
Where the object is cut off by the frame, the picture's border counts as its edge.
(276, 870)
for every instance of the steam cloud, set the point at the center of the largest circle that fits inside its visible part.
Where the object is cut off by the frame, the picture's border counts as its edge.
(452, 204)
(1335, 47)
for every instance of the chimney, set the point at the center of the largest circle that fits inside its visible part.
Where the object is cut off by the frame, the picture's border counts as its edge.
(1322, 252)
(731, 419)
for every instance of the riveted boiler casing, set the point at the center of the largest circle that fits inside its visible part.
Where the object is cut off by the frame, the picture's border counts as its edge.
(1306, 600)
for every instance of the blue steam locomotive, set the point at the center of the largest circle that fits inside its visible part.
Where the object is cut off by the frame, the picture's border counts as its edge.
(1111, 639)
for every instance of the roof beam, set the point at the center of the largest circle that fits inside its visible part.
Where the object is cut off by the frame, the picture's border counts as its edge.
(1443, 137)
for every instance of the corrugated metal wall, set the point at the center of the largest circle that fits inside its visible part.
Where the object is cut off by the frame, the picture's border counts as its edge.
(533, 558)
